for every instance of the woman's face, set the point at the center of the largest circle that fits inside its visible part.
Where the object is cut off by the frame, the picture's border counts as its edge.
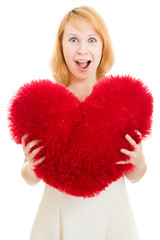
(82, 49)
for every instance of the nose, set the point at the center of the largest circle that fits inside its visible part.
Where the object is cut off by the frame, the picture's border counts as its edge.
(82, 49)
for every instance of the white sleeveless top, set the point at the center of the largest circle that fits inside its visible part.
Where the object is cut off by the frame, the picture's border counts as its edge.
(105, 217)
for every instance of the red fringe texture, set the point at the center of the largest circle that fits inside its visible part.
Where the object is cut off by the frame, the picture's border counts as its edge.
(82, 139)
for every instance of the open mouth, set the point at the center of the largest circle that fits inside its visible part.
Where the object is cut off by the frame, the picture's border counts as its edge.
(83, 64)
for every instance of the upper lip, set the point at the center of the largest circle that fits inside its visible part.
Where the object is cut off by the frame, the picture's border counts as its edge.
(82, 60)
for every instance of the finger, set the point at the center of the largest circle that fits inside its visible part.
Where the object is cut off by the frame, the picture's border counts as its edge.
(33, 154)
(130, 140)
(30, 145)
(23, 140)
(24, 136)
(123, 162)
(37, 162)
(140, 134)
(127, 152)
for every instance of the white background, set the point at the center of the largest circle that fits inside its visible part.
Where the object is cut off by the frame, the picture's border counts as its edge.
(28, 30)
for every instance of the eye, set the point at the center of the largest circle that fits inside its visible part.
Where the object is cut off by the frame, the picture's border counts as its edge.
(92, 40)
(73, 39)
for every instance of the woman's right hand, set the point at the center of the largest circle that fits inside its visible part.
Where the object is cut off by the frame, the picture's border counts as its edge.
(29, 164)
(30, 155)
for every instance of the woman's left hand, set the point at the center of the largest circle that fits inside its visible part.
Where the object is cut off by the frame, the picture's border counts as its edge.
(136, 158)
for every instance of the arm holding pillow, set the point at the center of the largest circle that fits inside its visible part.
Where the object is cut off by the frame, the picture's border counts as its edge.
(28, 165)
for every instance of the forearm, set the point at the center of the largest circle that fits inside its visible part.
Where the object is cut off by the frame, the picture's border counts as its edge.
(28, 174)
(137, 174)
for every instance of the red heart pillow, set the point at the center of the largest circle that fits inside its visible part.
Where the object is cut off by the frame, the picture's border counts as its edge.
(82, 139)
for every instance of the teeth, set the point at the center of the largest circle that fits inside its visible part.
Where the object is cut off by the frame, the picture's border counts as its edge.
(83, 64)
(82, 61)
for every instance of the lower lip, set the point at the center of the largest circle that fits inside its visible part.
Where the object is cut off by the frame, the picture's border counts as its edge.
(82, 69)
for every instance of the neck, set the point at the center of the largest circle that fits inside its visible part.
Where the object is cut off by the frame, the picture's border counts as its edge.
(81, 88)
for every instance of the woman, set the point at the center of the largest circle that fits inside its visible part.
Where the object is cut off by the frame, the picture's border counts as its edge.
(82, 56)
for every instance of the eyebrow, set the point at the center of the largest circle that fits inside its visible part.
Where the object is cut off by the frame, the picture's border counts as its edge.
(73, 34)
(89, 35)
(93, 34)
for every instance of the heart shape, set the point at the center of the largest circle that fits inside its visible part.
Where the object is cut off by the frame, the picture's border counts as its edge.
(82, 139)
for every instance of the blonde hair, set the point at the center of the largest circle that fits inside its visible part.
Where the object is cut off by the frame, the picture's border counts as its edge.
(58, 66)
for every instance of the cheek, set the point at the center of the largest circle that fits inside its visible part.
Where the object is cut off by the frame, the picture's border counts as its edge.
(98, 55)
(65, 52)
(68, 53)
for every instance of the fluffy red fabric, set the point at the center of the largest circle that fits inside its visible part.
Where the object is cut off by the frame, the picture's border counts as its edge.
(82, 139)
